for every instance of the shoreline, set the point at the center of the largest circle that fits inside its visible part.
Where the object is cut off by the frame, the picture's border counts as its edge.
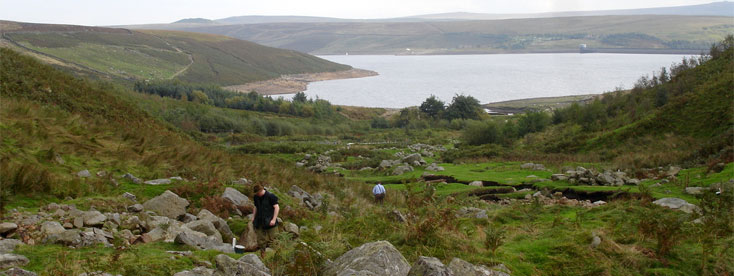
(291, 84)
(443, 52)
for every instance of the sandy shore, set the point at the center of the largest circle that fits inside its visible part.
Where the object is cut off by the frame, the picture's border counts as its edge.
(290, 84)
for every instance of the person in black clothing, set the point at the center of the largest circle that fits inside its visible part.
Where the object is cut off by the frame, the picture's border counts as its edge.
(265, 217)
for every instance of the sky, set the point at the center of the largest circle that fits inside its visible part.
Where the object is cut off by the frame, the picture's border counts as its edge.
(118, 12)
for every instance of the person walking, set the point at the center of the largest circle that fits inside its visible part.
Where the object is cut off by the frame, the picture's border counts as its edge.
(379, 192)
(265, 217)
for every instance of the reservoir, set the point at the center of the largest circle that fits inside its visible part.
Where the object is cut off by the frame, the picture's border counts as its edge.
(408, 80)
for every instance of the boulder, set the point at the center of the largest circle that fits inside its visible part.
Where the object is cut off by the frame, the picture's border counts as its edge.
(386, 164)
(186, 218)
(255, 261)
(595, 241)
(464, 268)
(248, 239)
(228, 266)
(130, 196)
(695, 190)
(402, 169)
(242, 181)
(12, 260)
(429, 266)
(206, 227)
(434, 168)
(415, 157)
(8, 245)
(202, 241)
(291, 228)
(7, 227)
(471, 212)
(51, 228)
(477, 183)
(672, 171)
(379, 257)
(84, 174)
(132, 178)
(632, 181)
(68, 238)
(162, 181)
(559, 177)
(218, 222)
(235, 197)
(19, 272)
(135, 208)
(198, 271)
(312, 202)
(93, 218)
(676, 204)
(167, 204)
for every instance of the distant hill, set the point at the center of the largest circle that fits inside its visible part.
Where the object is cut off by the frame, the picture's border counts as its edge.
(641, 33)
(195, 21)
(127, 54)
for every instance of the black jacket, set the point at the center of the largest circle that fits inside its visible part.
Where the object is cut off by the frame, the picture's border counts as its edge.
(265, 210)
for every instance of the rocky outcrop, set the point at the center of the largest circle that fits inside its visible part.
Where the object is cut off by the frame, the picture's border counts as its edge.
(218, 223)
(585, 176)
(202, 241)
(402, 169)
(676, 204)
(379, 258)
(199, 271)
(429, 266)
(167, 204)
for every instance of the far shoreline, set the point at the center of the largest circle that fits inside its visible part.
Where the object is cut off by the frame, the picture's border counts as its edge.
(291, 84)
(631, 51)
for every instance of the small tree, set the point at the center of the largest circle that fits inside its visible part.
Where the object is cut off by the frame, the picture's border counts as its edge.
(300, 97)
(433, 107)
(463, 107)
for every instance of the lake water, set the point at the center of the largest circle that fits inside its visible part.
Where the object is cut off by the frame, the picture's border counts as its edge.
(408, 80)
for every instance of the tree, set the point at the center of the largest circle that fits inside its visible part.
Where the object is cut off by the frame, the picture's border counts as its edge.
(533, 121)
(300, 97)
(433, 107)
(200, 97)
(463, 107)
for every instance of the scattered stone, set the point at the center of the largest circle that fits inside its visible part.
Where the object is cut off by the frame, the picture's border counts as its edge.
(84, 174)
(676, 204)
(248, 239)
(132, 178)
(398, 216)
(177, 178)
(633, 181)
(599, 202)
(68, 225)
(673, 171)
(235, 197)
(7, 227)
(206, 227)
(312, 202)
(435, 168)
(402, 169)
(471, 212)
(429, 266)
(559, 177)
(595, 242)
(78, 222)
(242, 181)
(162, 181)
(167, 204)
(136, 208)
(463, 268)
(19, 272)
(695, 190)
(291, 228)
(366, 169)
(476, 184)
(379, 258)
(12, 260)
(93, 218)
(198, 271)
(255, 261)
(186, 218)
(202, 241)
(101, 173)
(8, 245)
(51, 228)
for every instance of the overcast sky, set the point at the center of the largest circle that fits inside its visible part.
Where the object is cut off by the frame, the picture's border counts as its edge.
(120, 12)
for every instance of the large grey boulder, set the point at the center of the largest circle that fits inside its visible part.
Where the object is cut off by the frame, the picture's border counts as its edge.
(378, 257)
(12, 260)
(202, 241)
(68, 238)
(51, 228)
(676, 204)
(464, 268)
(255, 261)
(7, 227)
(291, 228)
(162, 181)
(206, 227)
(415, 157)
(226, 266)
(477, 183)
(218, 222)
(235, 197)
(8, 245)
(167, 204)
(429, 266)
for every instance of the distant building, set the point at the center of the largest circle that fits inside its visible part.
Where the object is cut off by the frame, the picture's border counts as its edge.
(583, 48)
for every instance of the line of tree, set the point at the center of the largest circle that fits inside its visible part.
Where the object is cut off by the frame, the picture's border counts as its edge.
(213, 95)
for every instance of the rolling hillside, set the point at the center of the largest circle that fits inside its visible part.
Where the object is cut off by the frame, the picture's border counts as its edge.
(686, 34)
(128, 54)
